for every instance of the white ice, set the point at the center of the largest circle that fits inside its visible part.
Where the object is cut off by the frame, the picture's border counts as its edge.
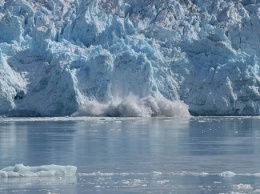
(83, 57)
(19, 170)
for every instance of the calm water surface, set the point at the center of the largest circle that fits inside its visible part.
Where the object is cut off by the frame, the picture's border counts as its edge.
(134, 155)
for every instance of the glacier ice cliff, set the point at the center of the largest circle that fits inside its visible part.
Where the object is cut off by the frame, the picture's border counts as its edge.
(129, 57)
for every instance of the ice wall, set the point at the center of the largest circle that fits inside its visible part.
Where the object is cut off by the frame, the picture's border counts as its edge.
(129, 57)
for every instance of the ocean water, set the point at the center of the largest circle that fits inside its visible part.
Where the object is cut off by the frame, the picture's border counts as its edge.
(134, 155)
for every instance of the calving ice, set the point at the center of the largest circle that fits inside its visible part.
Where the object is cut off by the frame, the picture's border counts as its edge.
(129, 58)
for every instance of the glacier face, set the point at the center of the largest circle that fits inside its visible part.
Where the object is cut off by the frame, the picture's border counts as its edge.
(129, 57)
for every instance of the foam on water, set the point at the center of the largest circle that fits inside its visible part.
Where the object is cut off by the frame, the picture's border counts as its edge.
(19, 170)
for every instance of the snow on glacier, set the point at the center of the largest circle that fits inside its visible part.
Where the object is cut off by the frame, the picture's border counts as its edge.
(129, 58)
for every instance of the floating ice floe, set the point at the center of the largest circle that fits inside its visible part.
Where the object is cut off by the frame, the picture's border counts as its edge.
(19, 170)
(227, 174)
(242, 187)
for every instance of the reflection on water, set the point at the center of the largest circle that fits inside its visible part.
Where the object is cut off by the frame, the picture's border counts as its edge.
(113, 155)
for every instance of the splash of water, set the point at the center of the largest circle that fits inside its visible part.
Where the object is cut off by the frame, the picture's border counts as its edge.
(132, 106)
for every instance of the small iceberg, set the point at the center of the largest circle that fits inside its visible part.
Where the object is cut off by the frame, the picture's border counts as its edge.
(227, 174)
(19, 170)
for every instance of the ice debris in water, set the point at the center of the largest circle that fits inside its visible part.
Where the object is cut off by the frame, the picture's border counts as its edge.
(19, 170)
(80, 56)
(242, 187)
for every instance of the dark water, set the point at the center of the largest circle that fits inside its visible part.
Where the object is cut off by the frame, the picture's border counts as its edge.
(135, 155)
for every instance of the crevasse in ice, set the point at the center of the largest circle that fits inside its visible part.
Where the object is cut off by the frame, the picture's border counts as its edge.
(129, 57)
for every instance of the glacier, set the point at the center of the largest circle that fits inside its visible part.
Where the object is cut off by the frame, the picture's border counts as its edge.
(129, 57)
